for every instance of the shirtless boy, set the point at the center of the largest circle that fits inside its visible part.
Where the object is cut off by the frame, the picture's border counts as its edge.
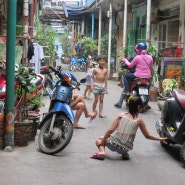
(99, 85)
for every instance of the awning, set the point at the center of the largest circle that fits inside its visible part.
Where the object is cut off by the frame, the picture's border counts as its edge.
(72, 11)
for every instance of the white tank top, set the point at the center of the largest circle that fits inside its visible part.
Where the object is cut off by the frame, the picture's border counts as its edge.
(124, 134)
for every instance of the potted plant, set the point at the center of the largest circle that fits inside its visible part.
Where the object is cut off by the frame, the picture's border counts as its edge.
(23, 104)
(181, 82)
(156, 55)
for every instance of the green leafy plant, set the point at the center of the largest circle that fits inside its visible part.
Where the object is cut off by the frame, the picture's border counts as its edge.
(88, 46)
(66, 45)
(104, 45)
(156, 55)
(45, 37)
(24, 87)
(181, 82)
(126, 51)
(23, 78)
(168, 86)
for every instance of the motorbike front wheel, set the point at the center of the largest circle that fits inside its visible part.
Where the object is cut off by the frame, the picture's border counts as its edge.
(54, 142)
(73, 67)
(182, 153)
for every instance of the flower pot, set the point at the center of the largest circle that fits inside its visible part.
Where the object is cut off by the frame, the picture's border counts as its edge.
(22, 132)
(153, 93)
(1, 134)
(34, 117)
(33, 131)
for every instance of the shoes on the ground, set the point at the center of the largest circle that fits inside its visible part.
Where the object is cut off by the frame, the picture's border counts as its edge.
(127, 97)
(125, 156)
(78, 127)
(102, 116)
(117, 105)
(98, 156)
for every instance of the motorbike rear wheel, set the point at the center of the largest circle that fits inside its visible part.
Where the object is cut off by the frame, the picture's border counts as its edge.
(52, 143)
(82, 67)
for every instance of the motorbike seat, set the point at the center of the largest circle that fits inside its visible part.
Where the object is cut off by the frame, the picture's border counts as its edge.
(139, 81)
(180, 97)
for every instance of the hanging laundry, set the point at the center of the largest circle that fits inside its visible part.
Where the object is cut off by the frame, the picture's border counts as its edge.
(30, 50)
(37, 57)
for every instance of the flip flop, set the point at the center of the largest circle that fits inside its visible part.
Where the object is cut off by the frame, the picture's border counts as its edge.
(92, 118)
(98, 156)
(101, 116)
(79, 127)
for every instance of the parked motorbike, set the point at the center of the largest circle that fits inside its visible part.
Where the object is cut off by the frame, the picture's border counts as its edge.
(1, 108)
(78, 64)
(82, 63)
(48, 83)
(62, 58)
(95, 64)
(38, 82)
(140, 88)
(56, 128)
(172, 121)
(74, 63)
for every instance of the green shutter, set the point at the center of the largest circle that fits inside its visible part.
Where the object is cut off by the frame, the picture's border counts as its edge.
(131, 41)
(141, 35)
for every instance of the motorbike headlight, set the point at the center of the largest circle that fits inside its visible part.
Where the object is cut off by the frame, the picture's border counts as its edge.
(74, 83)
(158, 126)
(2, 90)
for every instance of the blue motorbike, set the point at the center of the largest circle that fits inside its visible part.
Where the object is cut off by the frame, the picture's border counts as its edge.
(74, 63)
(56, 128)
(82, 63)
(78, 64)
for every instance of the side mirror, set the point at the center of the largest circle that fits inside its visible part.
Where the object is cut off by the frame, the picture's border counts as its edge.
(83, 80)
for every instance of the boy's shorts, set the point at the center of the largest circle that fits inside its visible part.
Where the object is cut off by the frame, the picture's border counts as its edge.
(99, 88)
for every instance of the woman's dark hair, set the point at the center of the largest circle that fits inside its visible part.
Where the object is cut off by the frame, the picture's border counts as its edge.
(133, 105)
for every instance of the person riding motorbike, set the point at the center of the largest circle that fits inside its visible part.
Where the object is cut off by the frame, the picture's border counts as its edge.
(143, 64)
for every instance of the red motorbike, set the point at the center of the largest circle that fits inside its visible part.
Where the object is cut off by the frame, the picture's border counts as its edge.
(38, 82)
(140, 88)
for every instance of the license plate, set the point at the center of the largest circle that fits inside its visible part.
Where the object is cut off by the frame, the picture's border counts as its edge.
(143, 91)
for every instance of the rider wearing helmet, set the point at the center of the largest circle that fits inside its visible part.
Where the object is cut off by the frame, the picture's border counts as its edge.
(143, 64)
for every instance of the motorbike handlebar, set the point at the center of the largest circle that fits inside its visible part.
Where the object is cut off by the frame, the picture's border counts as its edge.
(57, 71)
(123, 65)
(53, 69)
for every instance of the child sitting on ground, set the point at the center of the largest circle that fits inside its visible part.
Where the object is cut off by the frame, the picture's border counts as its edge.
(121, 134)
